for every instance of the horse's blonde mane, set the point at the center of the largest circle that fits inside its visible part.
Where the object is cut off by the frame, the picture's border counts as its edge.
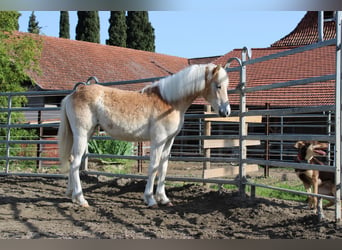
(182, 84)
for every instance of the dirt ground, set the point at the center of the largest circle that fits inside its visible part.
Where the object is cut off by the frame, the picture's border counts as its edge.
(36, 208)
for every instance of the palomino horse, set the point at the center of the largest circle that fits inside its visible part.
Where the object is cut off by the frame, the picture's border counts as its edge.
(154, 114)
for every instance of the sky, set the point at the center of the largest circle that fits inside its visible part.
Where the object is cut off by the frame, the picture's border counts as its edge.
(192, 34)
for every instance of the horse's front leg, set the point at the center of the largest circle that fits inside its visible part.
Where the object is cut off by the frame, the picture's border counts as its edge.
(152, 172)
(160, 192)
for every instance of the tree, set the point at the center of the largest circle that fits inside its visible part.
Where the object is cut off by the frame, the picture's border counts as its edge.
(33, 24)
(117, 29)
(140, 33)
(9, 20)
(88, 26)
(64, 27)
(18, 55)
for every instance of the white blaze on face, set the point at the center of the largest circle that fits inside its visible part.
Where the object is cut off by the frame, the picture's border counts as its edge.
(221, 86)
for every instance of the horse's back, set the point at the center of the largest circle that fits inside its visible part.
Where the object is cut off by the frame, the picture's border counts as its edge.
(86, 94)
(125, 115)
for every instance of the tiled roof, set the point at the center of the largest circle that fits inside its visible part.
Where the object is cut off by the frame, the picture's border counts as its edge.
(65, 62)
(317, 62)
(312, 63)
(306, 32)
(203, 60)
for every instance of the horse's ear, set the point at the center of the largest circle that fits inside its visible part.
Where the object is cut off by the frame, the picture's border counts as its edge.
(216, 69)
(299, 144)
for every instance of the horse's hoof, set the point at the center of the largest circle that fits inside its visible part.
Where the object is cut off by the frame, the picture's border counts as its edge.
(85, 205)
(168, 204)
(153, 206)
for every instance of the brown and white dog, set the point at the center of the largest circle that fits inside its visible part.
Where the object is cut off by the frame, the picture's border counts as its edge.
(322, 182)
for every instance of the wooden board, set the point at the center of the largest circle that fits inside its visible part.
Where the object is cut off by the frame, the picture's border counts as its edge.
(251, 119)
(228, 171)
(227, 143)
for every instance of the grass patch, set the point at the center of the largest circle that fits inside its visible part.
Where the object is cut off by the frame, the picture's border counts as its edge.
(270, 193)
(124, 167)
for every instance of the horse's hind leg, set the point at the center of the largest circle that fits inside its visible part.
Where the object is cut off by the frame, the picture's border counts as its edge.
(74, 184)
(160, 192)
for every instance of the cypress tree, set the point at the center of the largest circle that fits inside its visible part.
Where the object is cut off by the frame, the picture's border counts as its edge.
(140, 33)
(64, 26)
(117, 29)
(33, 26)
(88, 26)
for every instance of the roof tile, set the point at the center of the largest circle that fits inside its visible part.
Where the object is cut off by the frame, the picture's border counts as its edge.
(65, 62)
(307, 64)
(306, 32)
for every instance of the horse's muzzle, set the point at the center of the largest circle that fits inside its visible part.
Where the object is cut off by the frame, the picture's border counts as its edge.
(224, 110)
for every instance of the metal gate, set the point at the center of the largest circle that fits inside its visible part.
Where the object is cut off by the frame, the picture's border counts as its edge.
(334, 139)
(242, 135)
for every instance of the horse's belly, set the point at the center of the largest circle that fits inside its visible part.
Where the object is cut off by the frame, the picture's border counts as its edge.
(128, 133)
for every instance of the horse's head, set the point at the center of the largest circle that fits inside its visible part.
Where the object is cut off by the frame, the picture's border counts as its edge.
(216, 79)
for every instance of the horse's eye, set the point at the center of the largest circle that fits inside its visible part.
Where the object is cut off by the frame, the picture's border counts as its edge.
(218, 86)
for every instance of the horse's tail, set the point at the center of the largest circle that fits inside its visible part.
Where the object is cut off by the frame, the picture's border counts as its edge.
(65, 139)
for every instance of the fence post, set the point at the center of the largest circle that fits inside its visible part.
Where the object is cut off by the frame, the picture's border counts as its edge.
(84, 161)
(207, 151)
(329, 123)
(8, 134)
(40, 135)
(267, 142)
(338, 95)
(320, 26)
(140, 153)
(243, 126)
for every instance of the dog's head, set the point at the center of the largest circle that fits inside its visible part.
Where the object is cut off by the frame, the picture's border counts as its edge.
(310, 149)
